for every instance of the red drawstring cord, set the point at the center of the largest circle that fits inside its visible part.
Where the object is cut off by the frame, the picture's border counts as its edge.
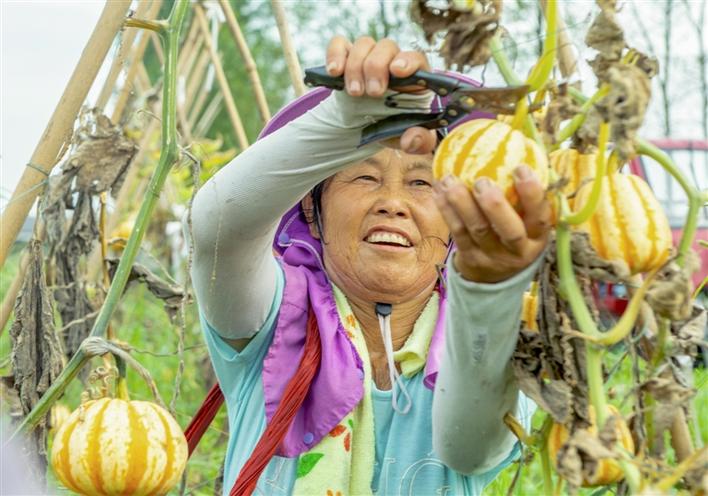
(274, 434)
(204, 417)
(293, 398)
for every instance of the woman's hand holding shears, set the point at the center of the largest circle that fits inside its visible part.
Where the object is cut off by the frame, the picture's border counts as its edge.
(494, 241)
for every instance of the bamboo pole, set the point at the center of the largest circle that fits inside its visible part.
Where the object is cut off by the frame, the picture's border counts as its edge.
(121, 58)
(221, 78)
(289, 52)
(198, 105)
(59, 129)
(134, 65)
(251, 68)
(157, 46)
(209, 115)
(567, 60)
(144, 77)
(196, 77)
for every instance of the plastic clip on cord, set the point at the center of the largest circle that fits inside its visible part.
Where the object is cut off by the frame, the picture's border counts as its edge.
(383, 310)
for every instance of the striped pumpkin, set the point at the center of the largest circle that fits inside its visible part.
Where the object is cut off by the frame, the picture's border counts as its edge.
(628, 226)
(113, 446)
(489, 148)
(608, 470)
(529, 310)
(575, 167)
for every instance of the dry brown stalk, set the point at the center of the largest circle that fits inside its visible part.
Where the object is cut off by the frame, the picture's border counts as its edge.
(135, 63)
(121, 57)
(58, 131)
(221, 79)
(144, 77)
(250, 64)
(288, 49)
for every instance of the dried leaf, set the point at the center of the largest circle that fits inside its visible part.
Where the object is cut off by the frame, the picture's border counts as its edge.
(690, 333)
(561, 107)
(605, 35)
(468, 31)
(101, 156)
(170, 294)
(37, 355)
(670, 292)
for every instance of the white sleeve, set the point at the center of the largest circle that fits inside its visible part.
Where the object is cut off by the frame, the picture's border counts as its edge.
(236, 213)
(475, 385)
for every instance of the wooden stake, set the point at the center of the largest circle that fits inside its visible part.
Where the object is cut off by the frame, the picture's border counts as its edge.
(198, 105)
(567, 61)
(197, 76)
(134, 64)
(288, 49)
(207, 118)
(221, 78)
(59, 129)
(250, 64)
(121, 58)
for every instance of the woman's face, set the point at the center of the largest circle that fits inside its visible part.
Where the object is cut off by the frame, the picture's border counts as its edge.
(383, 234)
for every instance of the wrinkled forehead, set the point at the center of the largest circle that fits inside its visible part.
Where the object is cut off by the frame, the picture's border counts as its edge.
(393, 160)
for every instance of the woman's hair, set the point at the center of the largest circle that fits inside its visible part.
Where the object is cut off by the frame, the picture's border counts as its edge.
(315, 216)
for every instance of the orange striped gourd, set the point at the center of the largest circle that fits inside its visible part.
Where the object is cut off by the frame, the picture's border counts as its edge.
(489, 148)
(608, 470)
(58, 415)
(628, 226)
(577, 168)
(118, 447)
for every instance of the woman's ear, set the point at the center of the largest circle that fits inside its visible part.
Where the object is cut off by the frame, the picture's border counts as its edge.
(308, 208)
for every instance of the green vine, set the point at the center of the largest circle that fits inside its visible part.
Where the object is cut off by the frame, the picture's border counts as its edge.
(170, 33)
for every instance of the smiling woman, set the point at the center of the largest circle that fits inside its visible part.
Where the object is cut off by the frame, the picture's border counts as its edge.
(407, 377)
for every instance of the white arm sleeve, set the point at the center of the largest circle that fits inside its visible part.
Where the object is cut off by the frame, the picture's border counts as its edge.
(236, 213)
(475, 385)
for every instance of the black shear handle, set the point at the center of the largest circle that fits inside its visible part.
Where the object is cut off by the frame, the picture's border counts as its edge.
(439, 83)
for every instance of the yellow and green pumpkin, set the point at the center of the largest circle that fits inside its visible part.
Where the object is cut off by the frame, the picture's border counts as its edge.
(608, 470)
(118, 447)
(577, 168)
(629, 226)
(489, 148)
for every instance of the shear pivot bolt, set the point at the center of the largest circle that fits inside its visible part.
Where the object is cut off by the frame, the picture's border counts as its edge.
(444, 122)
(453, 112)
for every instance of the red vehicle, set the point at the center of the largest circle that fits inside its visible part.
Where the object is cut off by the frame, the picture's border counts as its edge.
(691, 157)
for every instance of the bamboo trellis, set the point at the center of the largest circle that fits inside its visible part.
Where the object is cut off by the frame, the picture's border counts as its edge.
(196, 54)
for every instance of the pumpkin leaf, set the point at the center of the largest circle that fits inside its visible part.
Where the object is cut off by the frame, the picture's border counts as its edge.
(306, 463)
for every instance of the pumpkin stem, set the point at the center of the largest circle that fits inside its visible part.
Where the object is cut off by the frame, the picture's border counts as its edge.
(625, 324)
(600, 172)
(545, 457)
(579, 118)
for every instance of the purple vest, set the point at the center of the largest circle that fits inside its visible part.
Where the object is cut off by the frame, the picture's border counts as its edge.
(338, 384)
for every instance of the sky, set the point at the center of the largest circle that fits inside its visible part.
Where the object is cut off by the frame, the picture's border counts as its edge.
(41, 42)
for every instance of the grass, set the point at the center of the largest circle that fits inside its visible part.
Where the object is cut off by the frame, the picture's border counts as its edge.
(142, 322)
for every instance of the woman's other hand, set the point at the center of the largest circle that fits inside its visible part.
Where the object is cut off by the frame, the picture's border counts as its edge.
(494, 242)
(366, 65)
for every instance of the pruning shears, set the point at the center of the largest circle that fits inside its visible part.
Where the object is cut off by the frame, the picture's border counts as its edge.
(462, 98)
